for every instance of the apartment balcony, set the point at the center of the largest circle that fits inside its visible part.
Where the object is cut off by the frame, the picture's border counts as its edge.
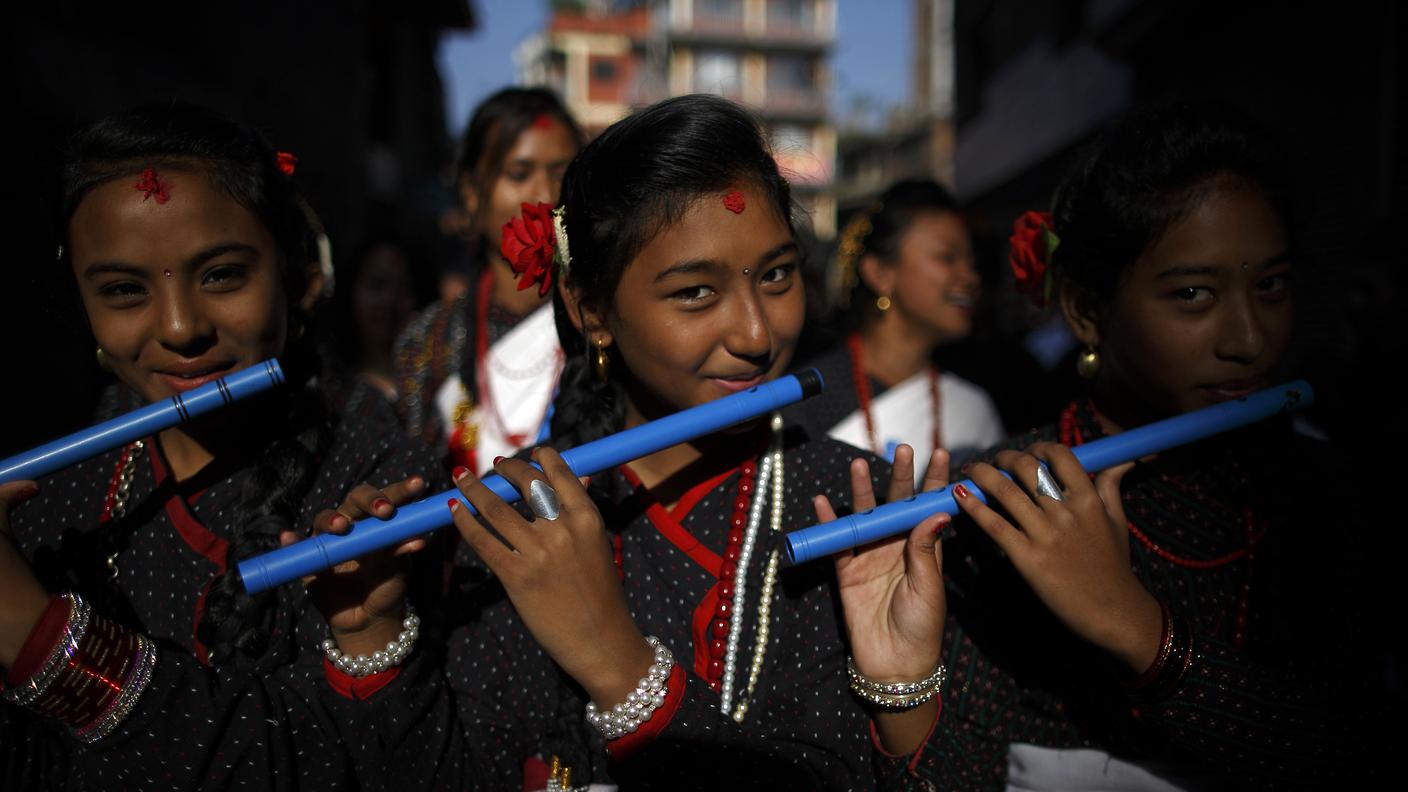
(730, 32)
(805, 106)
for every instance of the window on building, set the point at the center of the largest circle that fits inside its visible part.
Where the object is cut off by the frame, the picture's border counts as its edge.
(791, 15)
(719, 10)
(791, 74)
(716, 72)
(603, 70)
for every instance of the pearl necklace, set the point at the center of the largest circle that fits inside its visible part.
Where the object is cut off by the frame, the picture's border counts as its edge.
(770, 472)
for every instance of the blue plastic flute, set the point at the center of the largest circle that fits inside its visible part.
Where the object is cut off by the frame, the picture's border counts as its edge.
(327, 550)
(819, 541)
(141, 422)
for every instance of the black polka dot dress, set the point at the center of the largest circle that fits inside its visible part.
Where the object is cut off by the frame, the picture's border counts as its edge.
(196, 727)
(1278, 697)
(803, 729)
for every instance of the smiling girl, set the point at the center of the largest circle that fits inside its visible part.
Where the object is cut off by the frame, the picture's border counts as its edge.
(195, 257)
(1189, 621)
(679, 285)
(908, 266)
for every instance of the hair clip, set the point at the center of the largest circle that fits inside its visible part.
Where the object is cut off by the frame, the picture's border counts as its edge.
(734, 202)
(152, 186)
(286, 162)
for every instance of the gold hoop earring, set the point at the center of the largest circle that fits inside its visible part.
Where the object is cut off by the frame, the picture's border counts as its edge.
(601, 362)
(1088, 362)
(103, 360)
(882, 303)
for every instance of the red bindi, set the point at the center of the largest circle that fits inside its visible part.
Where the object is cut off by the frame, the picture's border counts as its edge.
(543, 121)
(734, 202)
(151, 185)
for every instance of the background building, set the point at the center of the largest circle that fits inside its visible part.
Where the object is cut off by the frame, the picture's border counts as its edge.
(606, 58)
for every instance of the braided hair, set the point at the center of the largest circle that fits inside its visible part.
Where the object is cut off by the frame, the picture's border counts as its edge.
(237, 628)
(640, 175)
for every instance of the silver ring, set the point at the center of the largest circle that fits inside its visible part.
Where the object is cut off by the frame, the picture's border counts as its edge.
(1046, 485)
(542, 500)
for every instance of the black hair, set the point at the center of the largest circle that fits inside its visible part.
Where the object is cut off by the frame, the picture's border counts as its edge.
(1146, 171)
(639, 176)
(494, 128)
(236, 628)
(879, 230)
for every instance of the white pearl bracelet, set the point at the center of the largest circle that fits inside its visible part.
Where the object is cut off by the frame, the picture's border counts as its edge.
(393, 655)
(640, 703)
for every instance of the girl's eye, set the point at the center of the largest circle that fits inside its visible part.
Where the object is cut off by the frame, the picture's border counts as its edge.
(122, 292)
(517, 175)
(1274, 285)
(693, 294)
(223, 278)
(1193, 295)
(781, 274)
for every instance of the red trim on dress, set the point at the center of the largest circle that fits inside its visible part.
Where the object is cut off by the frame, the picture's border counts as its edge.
(357, 688)
(674, 696)
(196, 536)
(668, 522)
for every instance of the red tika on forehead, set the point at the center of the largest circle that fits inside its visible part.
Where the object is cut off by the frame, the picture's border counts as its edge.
(734, 202)
(543, 121)
(152, 186)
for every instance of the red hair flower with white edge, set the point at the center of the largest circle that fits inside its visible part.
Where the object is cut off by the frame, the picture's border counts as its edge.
(530, 247)
(1032, 244)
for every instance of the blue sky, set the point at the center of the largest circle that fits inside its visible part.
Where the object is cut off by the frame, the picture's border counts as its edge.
(871, 56)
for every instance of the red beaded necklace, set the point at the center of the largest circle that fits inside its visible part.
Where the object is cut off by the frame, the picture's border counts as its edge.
(464, 436)
(719, 624)
(862, 385)
(1070, 435)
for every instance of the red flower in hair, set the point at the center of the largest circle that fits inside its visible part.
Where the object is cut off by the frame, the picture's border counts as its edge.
(286, 162)
(1032, 244)
(529, 246)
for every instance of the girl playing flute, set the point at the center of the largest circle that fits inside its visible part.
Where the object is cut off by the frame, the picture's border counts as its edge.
(1186, 621)
(194, 257)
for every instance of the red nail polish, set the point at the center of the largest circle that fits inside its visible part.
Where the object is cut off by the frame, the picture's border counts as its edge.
(960, 491)
(380, 503)
(454, 504)
(498, 459)
(458, 473)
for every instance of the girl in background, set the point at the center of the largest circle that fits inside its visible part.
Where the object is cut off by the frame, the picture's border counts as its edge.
(476, 374)
(907, 265)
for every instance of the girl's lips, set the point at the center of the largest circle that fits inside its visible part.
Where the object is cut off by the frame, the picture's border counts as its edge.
(180, 383)
(736, 385)
(1226, 391)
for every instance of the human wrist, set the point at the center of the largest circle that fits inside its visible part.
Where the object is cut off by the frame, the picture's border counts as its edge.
(613, 673)
(372, 634)
(1136, 643)
(362, 655)
(18, 619)
(649, 694)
